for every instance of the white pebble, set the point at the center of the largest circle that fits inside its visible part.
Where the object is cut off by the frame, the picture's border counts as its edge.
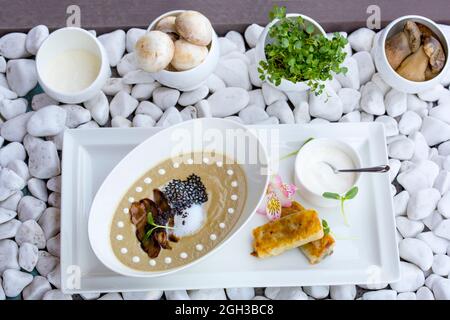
(234, 72)
(165, 98)
(402, 149)
(327, 105)
(409, 123)
(395, 102)
(390, 125)
(114, 44)
(132, 36)
(420, 176)
(14, 281)
(150, 109)
(36, 289)
(12, 45)
(120, 122)
(361, 39)
(35, 38)
(50, 222)
(441, 289)
(424, 294)
(240, 293)
(282, 111)
(422, 203)
(411, 278)
(372, 99)
(366, 66)
(122, 105)
(416, 251)
(143, 91)
(47, 121)
(437, 244)
(9, 256)
(170, 117)
(21, 75)
(350, 99)
(214, 83)
(192, 97)
(143, 121)
(43, 158)
(99, 108)
(28, 256)
(435, 131)
(207, 294)
(380, 295)
(228, 101)
(12, 108)
(343, 292)
(203, 109)
(408, 228)
(176, 295)
(351, 78)
(252, 34)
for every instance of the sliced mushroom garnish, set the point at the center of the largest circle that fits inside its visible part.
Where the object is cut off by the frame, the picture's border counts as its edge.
(435, 52)
(414, 35)
(414, 67)
(397, 49)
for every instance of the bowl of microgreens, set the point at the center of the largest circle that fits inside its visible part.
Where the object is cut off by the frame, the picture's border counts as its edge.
(295, 54)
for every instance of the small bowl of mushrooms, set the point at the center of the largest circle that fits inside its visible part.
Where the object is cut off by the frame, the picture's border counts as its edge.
(412, 54)
(180, 49)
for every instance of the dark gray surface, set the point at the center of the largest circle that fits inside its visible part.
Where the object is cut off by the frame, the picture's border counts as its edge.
(105, 15)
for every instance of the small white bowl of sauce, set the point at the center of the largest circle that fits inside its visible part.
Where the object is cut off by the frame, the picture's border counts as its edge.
(72, 65)
(314, 176)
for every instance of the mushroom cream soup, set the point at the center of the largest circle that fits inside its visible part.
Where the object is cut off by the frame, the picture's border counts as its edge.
(195, 202)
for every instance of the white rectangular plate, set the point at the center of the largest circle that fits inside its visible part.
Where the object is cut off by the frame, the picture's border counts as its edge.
(366, 252)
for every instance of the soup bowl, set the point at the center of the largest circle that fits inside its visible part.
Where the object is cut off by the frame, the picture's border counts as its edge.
(201, 135)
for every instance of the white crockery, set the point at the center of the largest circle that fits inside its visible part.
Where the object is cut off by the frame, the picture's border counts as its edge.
(308, 152)
(260, 54)
(389, 75)
(207, 135)
(71, 38)
(367, 252)
(190, 79)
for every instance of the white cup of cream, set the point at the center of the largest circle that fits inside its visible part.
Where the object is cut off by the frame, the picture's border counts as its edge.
(314, 177)
(72, 65)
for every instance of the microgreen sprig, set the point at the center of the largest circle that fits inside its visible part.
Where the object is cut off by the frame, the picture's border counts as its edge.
(293, 153)
(297, 53)
(155, 226)
(350, 194)
(326, 227)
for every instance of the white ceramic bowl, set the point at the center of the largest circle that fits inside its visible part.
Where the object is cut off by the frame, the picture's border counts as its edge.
(67, 39)
(208, 135)
(307, 151)
(260, 53)
(190, 79)
(389, 75)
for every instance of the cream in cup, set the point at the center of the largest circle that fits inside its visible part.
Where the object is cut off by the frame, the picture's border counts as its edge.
(72, 65)
(314, 176)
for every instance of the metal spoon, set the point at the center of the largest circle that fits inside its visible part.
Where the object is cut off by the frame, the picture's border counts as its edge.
(383, 168)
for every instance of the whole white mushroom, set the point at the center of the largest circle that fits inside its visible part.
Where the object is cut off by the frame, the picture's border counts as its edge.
(194, 27)
(167, 25)
(188, 55)
(154, 51)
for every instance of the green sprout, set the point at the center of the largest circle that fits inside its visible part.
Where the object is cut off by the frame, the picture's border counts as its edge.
(155, 226)
(350, 194)
(297, 53)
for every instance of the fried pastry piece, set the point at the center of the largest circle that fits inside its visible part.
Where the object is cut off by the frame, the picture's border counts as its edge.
(317, 250)
(291, 231)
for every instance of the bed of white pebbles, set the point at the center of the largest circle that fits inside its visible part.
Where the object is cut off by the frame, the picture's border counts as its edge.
(417, 129)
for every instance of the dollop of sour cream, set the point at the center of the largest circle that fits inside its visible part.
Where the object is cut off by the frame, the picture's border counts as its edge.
(318, 177)
(72, 70)
(192, 222)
